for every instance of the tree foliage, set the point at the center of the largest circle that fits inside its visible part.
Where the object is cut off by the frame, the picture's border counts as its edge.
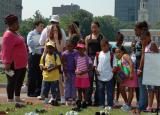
(27, 24)
(82, 16)
(108, 26)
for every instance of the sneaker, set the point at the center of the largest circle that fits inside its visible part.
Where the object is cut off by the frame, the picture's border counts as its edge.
(125, 108)
(109, 108)
(40, 97)
(149, 109)
(18, 100)
(10, 100)
(62, 100)
(54, 103)
(116, 102)
(50, 101)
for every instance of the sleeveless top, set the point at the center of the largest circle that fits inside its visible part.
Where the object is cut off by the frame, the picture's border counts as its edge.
(94, 45)
(123, 64)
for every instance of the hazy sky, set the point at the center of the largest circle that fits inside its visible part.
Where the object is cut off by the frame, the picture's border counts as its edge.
(97, 7)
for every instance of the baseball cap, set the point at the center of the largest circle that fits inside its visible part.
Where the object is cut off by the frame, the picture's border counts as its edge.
(50, 44)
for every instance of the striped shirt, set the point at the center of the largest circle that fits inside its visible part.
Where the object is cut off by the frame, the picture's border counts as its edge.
(83, 63)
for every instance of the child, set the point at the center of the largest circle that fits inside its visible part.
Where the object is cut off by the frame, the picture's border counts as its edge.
(103, 66)
(50, 64)
(82, 83)
(126, 65)
(150, 47)
(68, 61)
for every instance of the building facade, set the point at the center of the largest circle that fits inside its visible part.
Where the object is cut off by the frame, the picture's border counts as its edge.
(9, 7)
(143, 14)
(154, 11)
(127, 10)
(129, 35)
(65, 9)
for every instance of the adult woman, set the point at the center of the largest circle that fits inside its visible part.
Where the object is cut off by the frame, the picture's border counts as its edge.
(74, 34)
(139, 29)
(14, 56)
(55, 36)
(93, 45)
(35, 52)
(149, 47)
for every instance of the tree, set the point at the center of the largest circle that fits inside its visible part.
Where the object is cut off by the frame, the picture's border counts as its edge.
(126, 25)
(82, 16)
(108, 26)
(27, 24)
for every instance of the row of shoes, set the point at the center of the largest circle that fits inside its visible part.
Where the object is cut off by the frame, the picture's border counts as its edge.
(72, 113)
(79, 105)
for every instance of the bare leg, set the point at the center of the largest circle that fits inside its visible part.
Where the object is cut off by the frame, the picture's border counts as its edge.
(118, 91)
(150, 98)
(130, 95)
(123, 93)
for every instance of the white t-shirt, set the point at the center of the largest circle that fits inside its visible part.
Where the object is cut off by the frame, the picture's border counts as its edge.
(104, 66)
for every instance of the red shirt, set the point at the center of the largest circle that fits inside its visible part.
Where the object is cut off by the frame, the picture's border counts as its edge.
(14, 50)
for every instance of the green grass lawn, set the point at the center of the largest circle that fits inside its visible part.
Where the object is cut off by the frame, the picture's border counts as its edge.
(3, 78)
(57, 110)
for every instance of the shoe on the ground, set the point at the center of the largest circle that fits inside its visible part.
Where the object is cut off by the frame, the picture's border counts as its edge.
(109, 108)
(77, 109)
(54, 103)
(125, 108)
(149, 109)
(63, 100)
(84, 104)
(97, 113)
(19, 105)
(40, 97)
(19, 100)
(116, 103)
(78, 104)
(40, 111)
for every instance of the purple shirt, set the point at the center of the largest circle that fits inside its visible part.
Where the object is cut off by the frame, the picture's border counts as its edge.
(69, 58)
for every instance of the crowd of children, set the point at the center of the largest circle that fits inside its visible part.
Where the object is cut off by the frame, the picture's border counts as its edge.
(82, 71)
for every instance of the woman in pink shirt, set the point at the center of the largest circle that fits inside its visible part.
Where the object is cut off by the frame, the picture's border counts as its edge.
(14, 57)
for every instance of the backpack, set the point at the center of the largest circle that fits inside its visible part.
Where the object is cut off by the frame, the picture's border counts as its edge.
(44, 57)
(111, 58)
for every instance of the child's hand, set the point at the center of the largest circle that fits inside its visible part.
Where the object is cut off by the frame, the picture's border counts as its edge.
(114, 70)
(43, 68)
(65, 77)
(97, 72)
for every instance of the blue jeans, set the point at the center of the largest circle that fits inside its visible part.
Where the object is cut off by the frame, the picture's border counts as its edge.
(47, 85)
(143, 96)
(101, 89)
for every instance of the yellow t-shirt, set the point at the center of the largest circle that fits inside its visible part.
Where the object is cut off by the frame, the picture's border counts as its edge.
(54, 74)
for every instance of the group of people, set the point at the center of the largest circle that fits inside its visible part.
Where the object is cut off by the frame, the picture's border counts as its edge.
(75, 68)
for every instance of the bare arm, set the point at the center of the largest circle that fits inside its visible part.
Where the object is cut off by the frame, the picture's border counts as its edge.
(129, 61)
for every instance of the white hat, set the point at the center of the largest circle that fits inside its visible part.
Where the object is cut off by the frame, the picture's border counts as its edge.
(54, 18)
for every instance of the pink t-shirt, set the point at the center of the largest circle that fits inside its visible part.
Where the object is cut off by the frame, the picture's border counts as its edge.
(82, 64)
(14, 50)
